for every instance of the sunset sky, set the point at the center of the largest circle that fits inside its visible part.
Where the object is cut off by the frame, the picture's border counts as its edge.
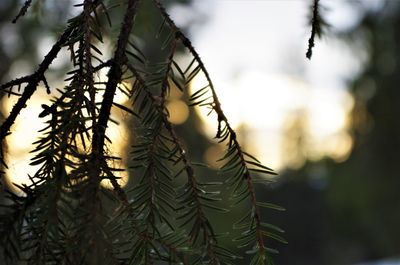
(255, 52)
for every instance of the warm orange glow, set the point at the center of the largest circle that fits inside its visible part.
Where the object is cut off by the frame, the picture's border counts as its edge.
(263, 103)
(340, 147)
(118, 134)
(25, 132)
(212, 154)
(178, 111)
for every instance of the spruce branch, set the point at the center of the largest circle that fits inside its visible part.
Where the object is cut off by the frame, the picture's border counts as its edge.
(153, 197)
(225, 131)
(33, 81)
(11, 223)
(164, 243)
(87, 17)
(16, 82)
(55, 151)
(22, 11)
(201, 222)
(65, 203)
(114, 77)
(316, 27)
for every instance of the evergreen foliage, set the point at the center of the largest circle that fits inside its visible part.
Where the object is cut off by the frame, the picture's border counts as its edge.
(317, 26)
(65, 216)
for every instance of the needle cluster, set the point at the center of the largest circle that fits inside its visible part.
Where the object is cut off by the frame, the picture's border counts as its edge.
(65, 215)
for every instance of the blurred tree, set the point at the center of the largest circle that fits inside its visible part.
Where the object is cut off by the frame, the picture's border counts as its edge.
(348, 212)
(370, 196)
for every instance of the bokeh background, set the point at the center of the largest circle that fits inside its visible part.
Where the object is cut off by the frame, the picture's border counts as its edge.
(330, 126)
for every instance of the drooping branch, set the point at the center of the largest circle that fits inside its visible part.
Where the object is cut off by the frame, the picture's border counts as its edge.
(16, 82)
(315, 28)
(90, 205)
(227, 133)
(87, 44)
(23, 10)
(38, 76)
(114, 77)
(142, 221)
(99, 127)
(193, 191)
(202, 221)
(33, 81)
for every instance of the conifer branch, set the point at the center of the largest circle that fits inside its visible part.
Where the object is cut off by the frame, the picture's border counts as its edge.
(65, 202)
(201, 221)
(90, 204)
(126, 206)
(16, 82)
(150, 178)
(315, 28)
(114, 77)
(33, 82)
(22, 11)
(34, 79)
(215, 105)
(87, 9)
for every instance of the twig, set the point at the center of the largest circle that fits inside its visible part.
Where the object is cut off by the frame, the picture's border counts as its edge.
(16, 82)
(22, 11)
(216, 106)
(160, 107)
(33, 81)
(87, 9)
(114, 76)
(315, 24)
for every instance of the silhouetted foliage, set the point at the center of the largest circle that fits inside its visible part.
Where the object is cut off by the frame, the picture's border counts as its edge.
(65, 215)
(317, 24)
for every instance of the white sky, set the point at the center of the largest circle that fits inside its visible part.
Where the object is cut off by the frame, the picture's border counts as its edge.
(255, 52)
